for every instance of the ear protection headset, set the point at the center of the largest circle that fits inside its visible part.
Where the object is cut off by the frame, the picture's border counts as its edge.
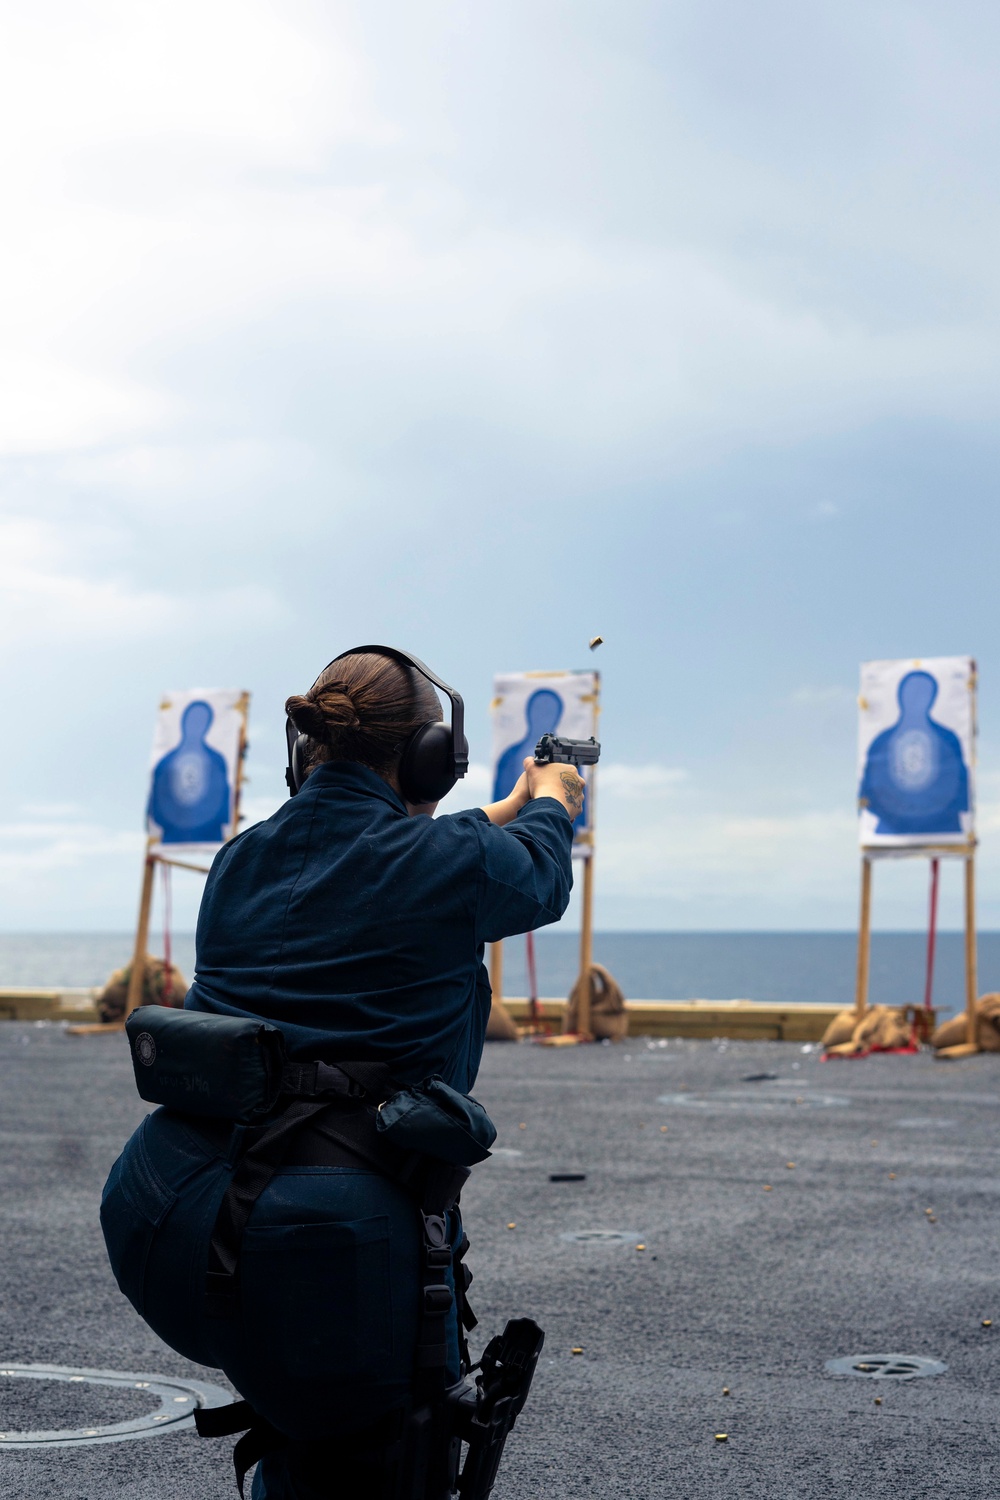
(434, 756)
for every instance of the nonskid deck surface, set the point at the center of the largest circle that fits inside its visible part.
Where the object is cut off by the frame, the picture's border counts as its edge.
(754, 1274)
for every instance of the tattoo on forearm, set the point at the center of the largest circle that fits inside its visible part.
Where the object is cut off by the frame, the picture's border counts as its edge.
(574, 790)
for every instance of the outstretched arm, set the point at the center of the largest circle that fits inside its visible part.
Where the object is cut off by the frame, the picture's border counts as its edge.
(562, 782)
(507, 809)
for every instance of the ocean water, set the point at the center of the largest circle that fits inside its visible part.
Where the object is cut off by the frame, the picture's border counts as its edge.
(777, 967)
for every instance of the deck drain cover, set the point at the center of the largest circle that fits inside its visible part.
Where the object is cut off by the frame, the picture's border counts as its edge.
(177, 1400)
(886, 1366)
(760, 1099)
(601, 1237)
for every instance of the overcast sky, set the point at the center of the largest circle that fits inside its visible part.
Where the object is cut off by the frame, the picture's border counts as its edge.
(479, 329)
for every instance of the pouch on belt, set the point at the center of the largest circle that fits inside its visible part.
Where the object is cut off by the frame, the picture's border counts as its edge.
(226, 1067)
(436, 1120)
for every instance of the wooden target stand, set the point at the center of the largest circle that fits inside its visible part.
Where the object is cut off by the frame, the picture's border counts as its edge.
(153, 857)
(964, 852)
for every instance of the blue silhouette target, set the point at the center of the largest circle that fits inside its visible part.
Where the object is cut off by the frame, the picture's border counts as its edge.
(542, 714)
(194, 767)
(525, 708)
(915, 782)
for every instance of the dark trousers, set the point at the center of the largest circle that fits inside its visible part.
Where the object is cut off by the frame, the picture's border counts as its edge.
(325, 1340)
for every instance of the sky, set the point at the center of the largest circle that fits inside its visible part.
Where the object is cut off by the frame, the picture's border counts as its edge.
(480, 330)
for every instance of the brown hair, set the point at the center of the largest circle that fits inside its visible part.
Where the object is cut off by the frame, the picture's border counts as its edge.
(363, 708)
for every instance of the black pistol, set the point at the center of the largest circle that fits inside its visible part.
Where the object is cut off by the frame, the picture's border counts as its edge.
(553, 750)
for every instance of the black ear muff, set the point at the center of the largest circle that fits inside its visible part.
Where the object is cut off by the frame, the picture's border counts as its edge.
(295, 771)
(427, 767)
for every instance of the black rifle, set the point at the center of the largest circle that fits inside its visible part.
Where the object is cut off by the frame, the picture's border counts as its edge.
(551, 749)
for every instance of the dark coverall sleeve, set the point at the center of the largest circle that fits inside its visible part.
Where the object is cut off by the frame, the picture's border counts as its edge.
(526, 870)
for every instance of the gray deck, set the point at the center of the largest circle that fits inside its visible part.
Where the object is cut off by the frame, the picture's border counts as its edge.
(737, 1287)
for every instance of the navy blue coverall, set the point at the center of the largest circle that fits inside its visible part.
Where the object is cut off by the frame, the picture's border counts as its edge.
(358, 931)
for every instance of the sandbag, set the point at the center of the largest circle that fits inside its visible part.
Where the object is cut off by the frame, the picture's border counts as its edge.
(113, 998)
(608, 1016)
(952, 1033)
(881, 1029)
(840, 1029)
(989, 1022)
(500, 1027)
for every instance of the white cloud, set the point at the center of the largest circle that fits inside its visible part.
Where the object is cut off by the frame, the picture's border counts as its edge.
(44, 593)
(174, 181)
(677, 852)
(53, 810)
(130, 137)
(258, 809)
(27, 849)
(835, 693)
(660, 837)
(988, 816)
(47, 402)
(633, 782)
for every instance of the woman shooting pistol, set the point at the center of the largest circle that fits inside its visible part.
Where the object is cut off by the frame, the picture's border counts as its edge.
(304, 1236)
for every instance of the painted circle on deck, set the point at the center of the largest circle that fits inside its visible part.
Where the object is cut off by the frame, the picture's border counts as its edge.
(763, 1099)
(925, 1122)
(178, 1400)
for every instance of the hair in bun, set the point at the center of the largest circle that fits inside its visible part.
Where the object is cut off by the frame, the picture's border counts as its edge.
(323, 711)
(363, 708)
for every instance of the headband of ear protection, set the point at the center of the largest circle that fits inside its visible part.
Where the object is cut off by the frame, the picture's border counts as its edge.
(434, 756)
